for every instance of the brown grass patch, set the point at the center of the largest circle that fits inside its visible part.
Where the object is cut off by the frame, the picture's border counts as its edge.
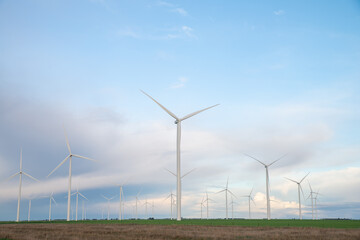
(128, 231)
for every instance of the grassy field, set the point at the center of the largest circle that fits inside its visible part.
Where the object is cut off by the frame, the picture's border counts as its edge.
(185, 229)
(223, 222)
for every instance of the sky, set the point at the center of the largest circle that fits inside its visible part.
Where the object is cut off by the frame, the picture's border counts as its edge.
(285, 73)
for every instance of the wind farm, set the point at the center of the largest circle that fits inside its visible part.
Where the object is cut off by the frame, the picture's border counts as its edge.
(239, 101)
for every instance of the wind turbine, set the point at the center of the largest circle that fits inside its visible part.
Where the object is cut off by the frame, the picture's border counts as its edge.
(77, 202)
(232, 207)
(312, 200)
(121, 195)
(20, 173)
(172, 201)
(315, 198)
(178, 139)
(70, 161)
(226, 190)
(207, 199)
(267, 182)
(136, 203)
(152, 209)
(299, 188)
(146, 209)
(51, 198)
(30, 199)
(201, 207)
(108, 199)
(250, 198)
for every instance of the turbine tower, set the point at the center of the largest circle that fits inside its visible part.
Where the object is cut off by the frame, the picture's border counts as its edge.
(267, 182)
(77, 202)
(250, 198)
(226, 190)
(299, 188)
(20, 173)
(70, 161)
(178, 139)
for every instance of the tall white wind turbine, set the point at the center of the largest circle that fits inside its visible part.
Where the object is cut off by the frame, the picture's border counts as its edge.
(267, 182)
(178, 139)
(299, 189)
(77, 193)
(20, 173)
(226, 190)
(250, 198)
(207, 199)
(108, 207)
(70, 161)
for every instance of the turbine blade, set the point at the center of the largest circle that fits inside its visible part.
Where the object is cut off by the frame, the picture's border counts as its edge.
(170, 172)
(188, 173)
(31, 177)
(83, 196)
(75, 155)
(20, 159)
(73, 193)
(291, 180)
(255, 159)
(232, 194)
(251, 191)
(165, 109)
(12, 176)
(54, 200)
(227, 182)
(67, 140)
(277, 159)
(220, 191)
(59, 165)
(302, 192)
(310, 186)
(253, 201)
(304, 177)
(197, 112)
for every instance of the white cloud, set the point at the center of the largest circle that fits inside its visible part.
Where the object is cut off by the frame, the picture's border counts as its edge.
(180, 82)
(279, 12)
(181, 11)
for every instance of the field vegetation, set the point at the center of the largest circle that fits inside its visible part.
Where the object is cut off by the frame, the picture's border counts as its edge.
(186, 229)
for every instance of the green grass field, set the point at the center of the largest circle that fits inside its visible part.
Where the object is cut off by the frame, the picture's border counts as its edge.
(223, 222)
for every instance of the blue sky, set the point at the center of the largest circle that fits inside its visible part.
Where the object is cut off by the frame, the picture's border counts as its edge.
(285, 73)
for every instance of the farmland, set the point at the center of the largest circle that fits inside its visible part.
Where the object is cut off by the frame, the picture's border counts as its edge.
(186, 229)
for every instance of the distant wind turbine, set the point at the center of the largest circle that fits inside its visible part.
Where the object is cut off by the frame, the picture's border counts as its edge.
(77, 193)
(146, 209)
(108, 207)
(20, 173)
(121, 196)
(226, 190)
(178, 123)
(312, 200)
(250, 198)
(267, 182)
(51, 198)
(207, 199)
(136, 203)
(70, 161)
(172, 201)
(299, 188)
